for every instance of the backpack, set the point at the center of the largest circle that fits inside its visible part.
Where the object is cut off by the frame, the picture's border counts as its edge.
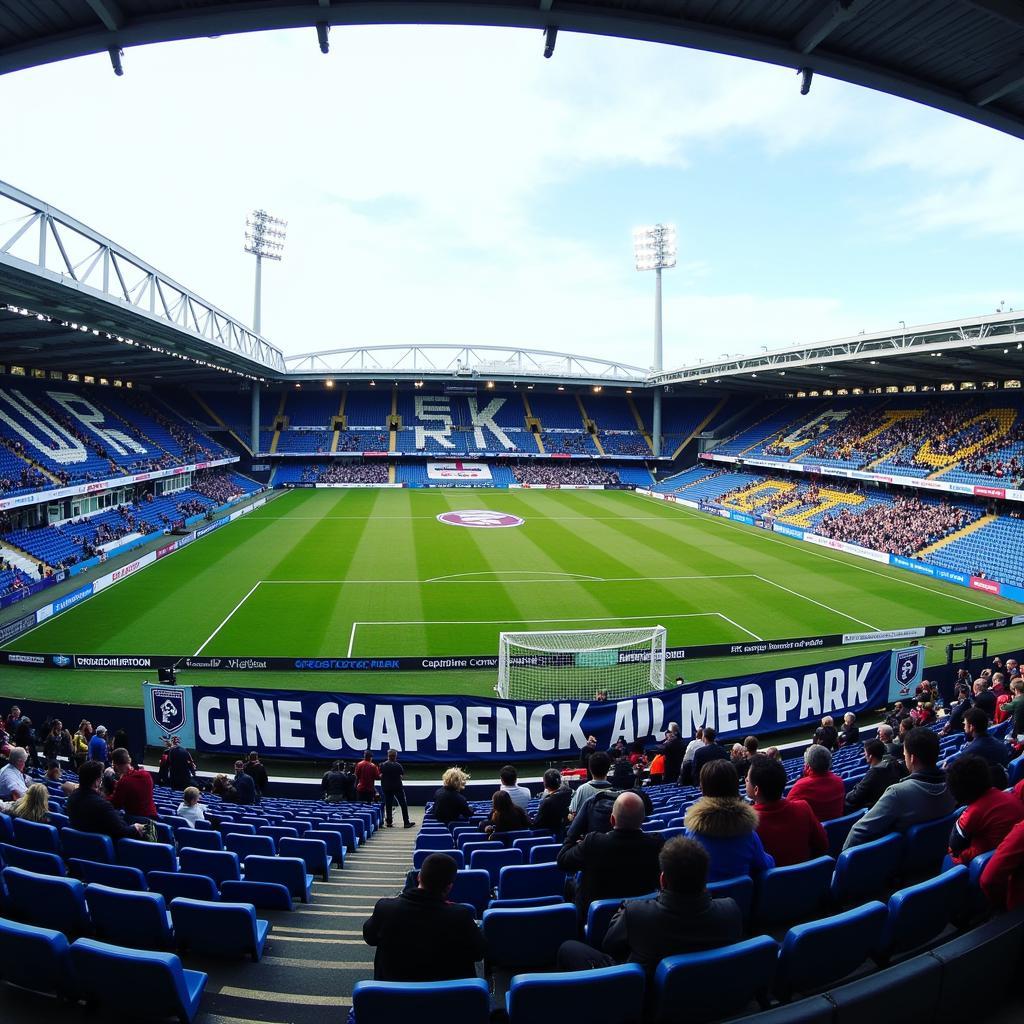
(597, 811)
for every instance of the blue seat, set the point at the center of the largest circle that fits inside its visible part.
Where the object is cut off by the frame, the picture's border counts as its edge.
(115, 875)
(312, 851)
(518, 904)
(220, 929)
(47, 900)
(146, 856)
(476, 836)
(839, 828)
(740, 889)
(907, 991)
(925, 847)
(599, 916)
(197, 839)
(262, 895)
(57, 820)
(226, 828)
(521, 881)
(918, 913)
(819, 953)
(419, 856)
(36, 958)
(865, 871)
(300, 826)
(136, 919)
(117, 977)
(262, 846)
(492, 861)
(611, 995)
(34, 835)
(525, 939)
(289, 871)
(172, 884)
(441, 841)
(715, 983)
(473, 887)
(346, 830)
(31, 860)
(220, 866)
(6, 828)
(1015, 770)
(430, 1002)
(526, 845)
(977, 900)
(87, 845)
(545, 854)
(792, 893)
(278, 832)
(333, 841)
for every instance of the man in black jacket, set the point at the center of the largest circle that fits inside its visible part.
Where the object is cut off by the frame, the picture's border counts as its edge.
(89, 811)
(882, 772)
(672, 750)
(419, 935)
(683, 919)
(392, 789)
(554, 804)
(257, 772)
(620, 863)
(711, 751)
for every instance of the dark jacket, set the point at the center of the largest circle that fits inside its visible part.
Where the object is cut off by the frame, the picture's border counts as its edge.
(450, 805)
(334, 784)
(827, 736)
(258, 774)
(421, 937)
(595, 815)
(622, 775)
(877, 780)
(245, 789)
(553, 810)
(646, 931)
(180, 768)
(672, 750)
(620, 863)
(87, 811)
(986, 700)
(702, 755)
(990, 749)
(391, 773)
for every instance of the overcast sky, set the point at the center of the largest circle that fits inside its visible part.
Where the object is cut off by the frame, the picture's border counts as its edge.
(449, 184)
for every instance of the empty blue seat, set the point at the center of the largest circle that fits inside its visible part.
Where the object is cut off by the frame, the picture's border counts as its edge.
(312, 851)
(6, 828)
(526, 845)
(278, 832)
(334, 843)
(31, 860)
(172, 884)
(715, 983)
(34, 835)
(925, 846)
(441, 841)
(146, 856)
(226, 828)
(524, 939)
(545, 854)
(819, 953)
(220, 929)
(136, 919)
(419, 856)
(919, 913)
(36, 958)
(866, 870)
(117, 977)
(838, 829)
(518, 904)
(792, 893)
(220, 866)
(977, 900)
(262, 846)
(289, 871)
(346, 830)
(492, 861)
(115, 875)
(429, 1002)
(740, 889)
(611, 995)
(473, 887)
(476, 837)
(87, 845)
(47, 900)
(199, 840)
(520, 881)
(57, 820)
(262, 895)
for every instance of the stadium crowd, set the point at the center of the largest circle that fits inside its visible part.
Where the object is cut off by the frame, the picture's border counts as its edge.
(903, 528)
(558, 474)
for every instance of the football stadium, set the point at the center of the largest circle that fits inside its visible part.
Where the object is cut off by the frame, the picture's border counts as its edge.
(506, 682)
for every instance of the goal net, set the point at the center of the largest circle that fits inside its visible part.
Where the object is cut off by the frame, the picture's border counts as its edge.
(581, 663)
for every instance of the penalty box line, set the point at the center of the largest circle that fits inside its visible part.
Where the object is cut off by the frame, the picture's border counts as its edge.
(224, 622)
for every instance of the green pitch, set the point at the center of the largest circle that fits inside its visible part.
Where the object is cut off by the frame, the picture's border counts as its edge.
(368, 573)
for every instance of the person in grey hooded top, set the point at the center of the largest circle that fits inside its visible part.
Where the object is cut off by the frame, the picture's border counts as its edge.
(922, 796)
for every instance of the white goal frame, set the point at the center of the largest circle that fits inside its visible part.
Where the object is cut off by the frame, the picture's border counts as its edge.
(551, 665)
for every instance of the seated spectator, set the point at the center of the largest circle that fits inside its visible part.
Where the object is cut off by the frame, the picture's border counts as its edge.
(990, 813)
(924, 714)
(788, 829)
(133, 792)
(619, 863)
(740, 760)
(13, 780)
(505, 815)
(725, 825)
(1014, 708)
(984, 698)
(88, 811)
(980, 744)
(190, 808)
(587, 751)
(962, 703)
(819, 785)
(898, 713)
(885, 737)
(826, 735)
(683, 919)
(33, 806)
(692, 747)
(708, 751)
(623, 774)
(419, 935)
(449, 803)
(922, 796)
(600, 764)
(553, 810)
(519, 795)
(596, 814)
(883, 771)
(1002, 881)
(224, 788)
(849, 734)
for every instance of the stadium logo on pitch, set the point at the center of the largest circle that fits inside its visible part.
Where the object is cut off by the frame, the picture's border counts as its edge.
(481, 518)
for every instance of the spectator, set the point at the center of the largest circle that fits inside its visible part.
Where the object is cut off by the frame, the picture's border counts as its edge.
(990, 812)
(392, 789)
(600, 764)
(225, 789)
(1002, 881)
(788, 829)
(657, 770)
(367, 773)
(190, 808)
(519, 795)
(622, 774)
(449, 803)
(922, 796)
(13, 780)
(88, 811)
(181, 769)
(686, 770)
(707, 752)
(98, 745)
(683, 919)
(586, 752)
(819, 785)
(419, 935)
(619, 863)
(850, 732)
(257, 772)
(80, 743)
(673, 752)
(57, 743)
(13, 720)
(882, 772)
(955, 720)
(25, 737)
(133, 793)
(505, 816)
(924, 714)
(245, 788)
(335, 784)
(1014, 708)
(826, 735)
(34, 805)
(980, 744)
(726, 825)
(898, 713)
(740, 760)
(984, 698)
(885, 737)
(553, 810)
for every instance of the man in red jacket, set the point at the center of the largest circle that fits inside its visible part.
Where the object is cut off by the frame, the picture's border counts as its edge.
(788, 829)
(820, 786)
(1002, 881)
(990, 813)
(133, 792)
(367, 774)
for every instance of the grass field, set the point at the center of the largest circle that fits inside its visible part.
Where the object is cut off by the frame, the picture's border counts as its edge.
(374, 573)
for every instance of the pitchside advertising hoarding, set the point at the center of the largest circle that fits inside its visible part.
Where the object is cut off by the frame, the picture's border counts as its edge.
(429, 729)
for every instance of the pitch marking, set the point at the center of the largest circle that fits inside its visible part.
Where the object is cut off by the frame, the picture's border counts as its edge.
(228, 616)
(517, 572)
(821, 604)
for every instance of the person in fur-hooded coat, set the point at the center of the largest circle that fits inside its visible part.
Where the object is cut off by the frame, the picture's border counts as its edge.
(725, 825)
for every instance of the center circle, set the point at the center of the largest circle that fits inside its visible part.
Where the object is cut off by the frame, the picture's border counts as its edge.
(480, 518)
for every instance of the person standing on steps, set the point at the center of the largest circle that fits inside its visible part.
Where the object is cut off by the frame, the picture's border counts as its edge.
(392, 789)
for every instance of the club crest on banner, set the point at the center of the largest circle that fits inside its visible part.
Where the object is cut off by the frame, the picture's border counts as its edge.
(905, 672)
(167, 707)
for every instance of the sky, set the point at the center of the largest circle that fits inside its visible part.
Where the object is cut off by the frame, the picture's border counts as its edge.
(451, 185)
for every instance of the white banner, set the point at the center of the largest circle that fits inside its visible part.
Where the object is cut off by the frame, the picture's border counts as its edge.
(458, 471)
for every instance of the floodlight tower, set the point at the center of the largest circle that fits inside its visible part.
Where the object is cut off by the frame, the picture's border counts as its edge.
(264, 238)
(655, 249)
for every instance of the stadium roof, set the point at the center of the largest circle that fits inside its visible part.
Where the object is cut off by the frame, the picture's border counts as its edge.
(962, 56)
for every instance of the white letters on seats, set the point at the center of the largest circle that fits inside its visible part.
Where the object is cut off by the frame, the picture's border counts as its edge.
(434, 407)
(485, 418)
(92, 418)
(54, 442)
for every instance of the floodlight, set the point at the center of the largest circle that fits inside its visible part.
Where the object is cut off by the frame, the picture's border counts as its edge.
(655, 247)
(264, 238)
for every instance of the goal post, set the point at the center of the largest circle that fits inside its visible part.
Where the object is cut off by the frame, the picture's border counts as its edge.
(577, 664)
